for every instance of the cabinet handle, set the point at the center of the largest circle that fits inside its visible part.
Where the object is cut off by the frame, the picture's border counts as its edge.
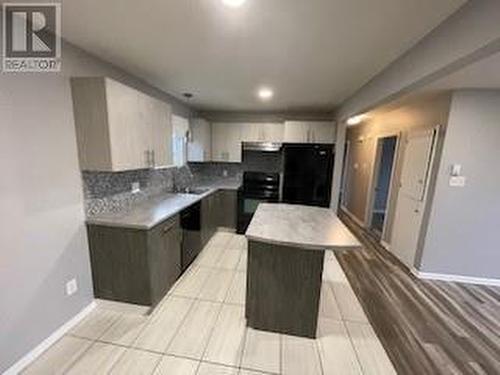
(148, 158)
(153, 161)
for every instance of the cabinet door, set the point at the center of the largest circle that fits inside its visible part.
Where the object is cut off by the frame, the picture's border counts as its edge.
(162, 133)
(142, 132)
(250, 132)
(296, 132)
(226, 142)
(272, 132)
(130, 129)
(322, 132)
(234, 136)
(205, 221)
(214, 213)
(227, 208)
(91, 122)
(120, 267)
(200, 144)
(164, 256)
(219, 146)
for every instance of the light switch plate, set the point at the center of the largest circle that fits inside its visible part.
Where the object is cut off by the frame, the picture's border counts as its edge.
(457, 181)
(456, 170)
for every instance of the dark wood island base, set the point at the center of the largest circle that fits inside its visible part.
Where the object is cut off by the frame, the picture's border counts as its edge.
(283, 288)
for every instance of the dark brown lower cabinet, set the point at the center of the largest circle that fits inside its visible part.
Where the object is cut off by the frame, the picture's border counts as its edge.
(135, 266)
(218, 210)
(283, 289)
(207, 223)
(227, 208)
(140, 266)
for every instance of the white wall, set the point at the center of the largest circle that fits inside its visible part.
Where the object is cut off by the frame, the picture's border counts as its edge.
(43, 242)
(462, 237)
(42, 233)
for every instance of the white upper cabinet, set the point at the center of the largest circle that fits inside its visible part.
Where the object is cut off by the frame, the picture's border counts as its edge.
(119, 128)
(272, 132)
(322, 131)
(162, 133)
(250, 132)
(262, 132)
(227, 138)
(309, 132)
(296, 132)
(226, 142)
(200, 141)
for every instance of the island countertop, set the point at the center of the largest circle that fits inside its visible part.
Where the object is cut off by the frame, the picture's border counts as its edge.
(311, 228)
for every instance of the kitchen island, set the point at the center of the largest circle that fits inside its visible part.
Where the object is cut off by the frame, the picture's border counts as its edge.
(286, 247)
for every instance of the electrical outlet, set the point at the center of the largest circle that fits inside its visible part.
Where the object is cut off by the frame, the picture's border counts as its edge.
(136, 187)
(224, 172)
(457, 181)
(71, 287)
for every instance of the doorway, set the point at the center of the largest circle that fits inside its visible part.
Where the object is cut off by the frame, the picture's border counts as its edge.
(383, 172)
(414, 180)
(344, 176)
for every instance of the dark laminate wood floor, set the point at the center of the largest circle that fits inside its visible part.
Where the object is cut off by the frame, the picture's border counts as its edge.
(426, 327)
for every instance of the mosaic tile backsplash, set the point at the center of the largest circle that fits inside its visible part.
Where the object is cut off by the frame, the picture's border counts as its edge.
(204, 173)
(252, 161)
(112, 191)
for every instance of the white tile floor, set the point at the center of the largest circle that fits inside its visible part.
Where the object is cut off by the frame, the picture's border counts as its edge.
(199, 328)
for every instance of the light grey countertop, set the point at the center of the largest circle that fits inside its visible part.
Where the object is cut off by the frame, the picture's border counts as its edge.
(311, 228)
(153, 211)
(219, 184)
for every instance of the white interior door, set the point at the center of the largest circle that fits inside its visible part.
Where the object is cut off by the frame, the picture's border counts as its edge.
(411, 196)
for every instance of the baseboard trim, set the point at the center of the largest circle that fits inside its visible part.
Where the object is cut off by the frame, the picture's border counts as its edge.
(352, 216)
(226, 229)
(455, 278)
(386, 245)
(17, 367)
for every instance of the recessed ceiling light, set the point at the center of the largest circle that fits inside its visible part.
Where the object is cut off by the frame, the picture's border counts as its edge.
(233, 3)
(355, 120)
(265, 93)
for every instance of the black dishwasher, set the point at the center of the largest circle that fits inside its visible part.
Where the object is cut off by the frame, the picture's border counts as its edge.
(191, 230)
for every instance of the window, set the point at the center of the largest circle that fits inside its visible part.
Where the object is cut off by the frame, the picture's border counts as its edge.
(180, 128)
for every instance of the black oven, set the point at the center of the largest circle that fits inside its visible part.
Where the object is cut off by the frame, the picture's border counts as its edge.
(258, 187)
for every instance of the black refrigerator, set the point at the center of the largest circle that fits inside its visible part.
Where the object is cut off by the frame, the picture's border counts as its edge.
(308, 171)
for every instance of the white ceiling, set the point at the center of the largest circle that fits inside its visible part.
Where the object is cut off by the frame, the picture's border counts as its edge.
(314, 53)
